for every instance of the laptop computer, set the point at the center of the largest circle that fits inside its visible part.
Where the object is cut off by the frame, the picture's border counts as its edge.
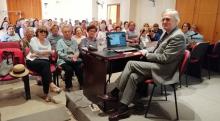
(116, 41)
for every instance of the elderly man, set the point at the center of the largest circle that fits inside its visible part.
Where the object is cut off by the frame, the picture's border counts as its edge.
(162, 65)
(28, 34)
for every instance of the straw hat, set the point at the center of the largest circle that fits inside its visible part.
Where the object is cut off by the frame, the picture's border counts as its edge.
(19, 71)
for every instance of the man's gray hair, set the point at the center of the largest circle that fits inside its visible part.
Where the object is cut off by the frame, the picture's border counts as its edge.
(31, 29)
(173, 13)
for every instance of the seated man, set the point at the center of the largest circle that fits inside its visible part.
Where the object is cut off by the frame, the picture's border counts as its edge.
(162, 64)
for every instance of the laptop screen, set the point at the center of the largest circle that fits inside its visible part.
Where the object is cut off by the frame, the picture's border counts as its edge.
(116, 39)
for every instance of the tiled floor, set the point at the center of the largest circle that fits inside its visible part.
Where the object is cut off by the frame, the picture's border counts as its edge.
(199, 102)
(13, 103)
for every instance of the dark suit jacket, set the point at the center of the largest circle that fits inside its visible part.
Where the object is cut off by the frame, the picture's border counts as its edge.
(166, 58)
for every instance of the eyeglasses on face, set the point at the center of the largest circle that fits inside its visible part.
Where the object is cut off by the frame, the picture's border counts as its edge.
(43, 31)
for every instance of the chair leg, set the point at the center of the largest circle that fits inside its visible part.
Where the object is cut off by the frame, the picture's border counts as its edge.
(186, 80)
(27, 87)
(165, 89)
(149, 102)
(174, 89)
(180, 83)
(209, 68)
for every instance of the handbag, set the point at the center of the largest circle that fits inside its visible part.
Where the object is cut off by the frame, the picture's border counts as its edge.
(7, 63)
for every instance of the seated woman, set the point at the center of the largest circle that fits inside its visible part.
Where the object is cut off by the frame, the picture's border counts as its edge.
(153, 35)
(54, 36)
(132, 34)
(68, 59)
(90, 42)
(187, 32)
(144, 38)
(196, 36)
(10, 35)
(38, 61)
(118, 28)
(78, 34)
(101, 37)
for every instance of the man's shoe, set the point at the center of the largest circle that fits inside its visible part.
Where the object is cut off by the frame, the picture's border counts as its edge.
(111, 96)
(119, 115)
(108, 97)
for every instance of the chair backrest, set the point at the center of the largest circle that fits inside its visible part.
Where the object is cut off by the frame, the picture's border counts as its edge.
(15, 44)
(199, 50)
(184, 62)
(216, 48)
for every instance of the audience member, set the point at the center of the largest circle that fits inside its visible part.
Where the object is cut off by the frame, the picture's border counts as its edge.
(196, 36)
(28, 34)
(54, 36)
(187, 32)
(78, 34)
(10, 35)
(146, 26)
(144, 38)
(90, 41)
(101, 37)
(109, 25)
(24, 24)
(84, 25)
(164, 56)
(132, 34)
(38, 61)
(3, 27)
(69, 60)
(118, 29)
(153, 36)
(125, 27)
(157, 29)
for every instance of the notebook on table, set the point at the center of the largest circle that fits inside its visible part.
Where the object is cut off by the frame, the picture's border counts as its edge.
(116, 41)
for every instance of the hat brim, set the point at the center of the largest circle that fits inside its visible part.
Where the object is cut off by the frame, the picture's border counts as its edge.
(26, 72)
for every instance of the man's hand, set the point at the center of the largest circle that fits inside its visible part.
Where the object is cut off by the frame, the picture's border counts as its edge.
(144, 52)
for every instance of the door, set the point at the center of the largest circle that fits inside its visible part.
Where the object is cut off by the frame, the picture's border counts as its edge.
(114, 13)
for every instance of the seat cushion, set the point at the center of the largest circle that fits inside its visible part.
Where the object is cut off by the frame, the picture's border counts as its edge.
(7, 78)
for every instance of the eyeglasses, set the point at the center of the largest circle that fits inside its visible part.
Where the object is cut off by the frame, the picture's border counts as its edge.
(43, 31)
(166, 19)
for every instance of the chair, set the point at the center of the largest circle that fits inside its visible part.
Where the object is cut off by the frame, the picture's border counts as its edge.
(15, 44)
(214, 56)
(182, 68)
(53, 57)
(197, 55)
(19, 57)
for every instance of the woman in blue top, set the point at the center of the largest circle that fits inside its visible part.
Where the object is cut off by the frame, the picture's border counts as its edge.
(69, 60)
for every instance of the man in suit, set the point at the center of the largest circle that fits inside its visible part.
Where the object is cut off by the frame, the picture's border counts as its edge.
(162, 65)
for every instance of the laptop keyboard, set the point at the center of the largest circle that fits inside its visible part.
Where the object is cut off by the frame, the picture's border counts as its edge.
(125, 49)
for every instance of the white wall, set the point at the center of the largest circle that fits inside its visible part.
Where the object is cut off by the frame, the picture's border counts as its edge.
(67, 9)
(3, 10)
(141, 11)
(147, 12)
